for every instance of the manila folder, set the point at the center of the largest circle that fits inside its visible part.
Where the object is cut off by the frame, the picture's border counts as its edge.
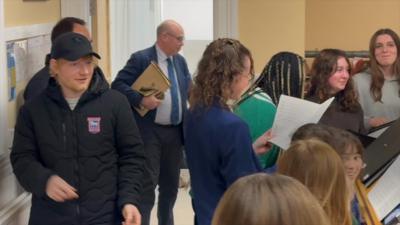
(151, 81)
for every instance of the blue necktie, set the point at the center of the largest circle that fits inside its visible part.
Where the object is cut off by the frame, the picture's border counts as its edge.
(174, 93)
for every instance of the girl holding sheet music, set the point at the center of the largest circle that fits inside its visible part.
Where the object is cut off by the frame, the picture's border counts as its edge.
(330, 78)
(218, 145)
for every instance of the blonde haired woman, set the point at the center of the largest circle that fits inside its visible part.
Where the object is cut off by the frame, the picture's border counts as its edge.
(268, 200)
(316, 165)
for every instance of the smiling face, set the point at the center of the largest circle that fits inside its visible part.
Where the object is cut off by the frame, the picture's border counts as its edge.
(385, 50)
(353, 163)
(73, 76)
(338, 80)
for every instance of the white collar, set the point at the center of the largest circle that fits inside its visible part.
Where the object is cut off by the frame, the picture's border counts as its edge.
(160, 54)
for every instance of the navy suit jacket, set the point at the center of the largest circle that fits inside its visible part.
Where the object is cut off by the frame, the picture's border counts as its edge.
(135, 66)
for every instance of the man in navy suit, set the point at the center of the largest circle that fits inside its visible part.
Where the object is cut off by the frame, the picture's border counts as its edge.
(161, 127)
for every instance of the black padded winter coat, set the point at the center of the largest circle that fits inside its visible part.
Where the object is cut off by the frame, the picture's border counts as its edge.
(96, 148)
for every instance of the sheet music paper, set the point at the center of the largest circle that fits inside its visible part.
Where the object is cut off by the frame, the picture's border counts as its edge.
(377, 133)
(385, 194)
(291, 114)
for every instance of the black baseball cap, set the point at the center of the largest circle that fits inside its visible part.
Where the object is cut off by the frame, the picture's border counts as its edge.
(72, 46)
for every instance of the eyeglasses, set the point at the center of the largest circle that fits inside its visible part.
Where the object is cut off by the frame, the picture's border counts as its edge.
(250, 77)
(178, 38)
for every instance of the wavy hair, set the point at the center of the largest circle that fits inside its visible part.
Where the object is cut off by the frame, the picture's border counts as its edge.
(268, 200)
(316, 165)
(323, 67)
(376, 73)
(222, 61)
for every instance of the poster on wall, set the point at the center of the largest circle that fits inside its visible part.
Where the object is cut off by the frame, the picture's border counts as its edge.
(20, 57)
(11, 72)
(37, 47)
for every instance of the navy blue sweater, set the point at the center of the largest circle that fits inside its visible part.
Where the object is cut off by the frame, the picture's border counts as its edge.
(219, 150)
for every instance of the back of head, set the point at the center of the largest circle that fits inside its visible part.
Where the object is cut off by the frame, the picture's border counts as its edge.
(284, 74)
(317, 165)
(222, 61)
(268, 200)
(65, 25)
(312, 130)
(321, 132)
(340, 140)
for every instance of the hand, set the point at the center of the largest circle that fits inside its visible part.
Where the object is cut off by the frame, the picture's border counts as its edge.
(150, 102)
(131, 215)
(59, 190)
(261, 145)
(377, 121)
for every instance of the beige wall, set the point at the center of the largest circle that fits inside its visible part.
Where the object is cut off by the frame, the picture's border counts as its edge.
(101, 36)
(21, 13)
(348, 24)
(269, 26)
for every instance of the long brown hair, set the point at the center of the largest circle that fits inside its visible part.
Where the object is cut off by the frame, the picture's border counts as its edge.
(316, 165)
(221, 62)
(376, 73)
(322, 69)
(268, 200)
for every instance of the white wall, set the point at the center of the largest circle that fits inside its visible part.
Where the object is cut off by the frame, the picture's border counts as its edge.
(196, 18)
(132, 27)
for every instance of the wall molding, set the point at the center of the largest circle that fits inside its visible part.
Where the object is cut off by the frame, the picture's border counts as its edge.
(8, 213)
(22, 32)
(5, 165)
(3, 84)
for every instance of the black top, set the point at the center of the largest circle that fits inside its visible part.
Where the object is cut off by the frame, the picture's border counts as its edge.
(336, 117)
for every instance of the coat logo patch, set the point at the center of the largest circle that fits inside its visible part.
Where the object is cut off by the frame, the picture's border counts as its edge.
(94, 125)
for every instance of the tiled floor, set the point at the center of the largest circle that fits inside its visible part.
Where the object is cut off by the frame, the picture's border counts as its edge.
(183, 212)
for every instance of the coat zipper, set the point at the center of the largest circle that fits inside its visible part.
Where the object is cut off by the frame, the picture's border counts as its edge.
(78, 211)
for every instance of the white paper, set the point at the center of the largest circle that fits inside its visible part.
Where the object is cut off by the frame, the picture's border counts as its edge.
(291, 114)
(385, 194)
(38, 47)
(377, 133)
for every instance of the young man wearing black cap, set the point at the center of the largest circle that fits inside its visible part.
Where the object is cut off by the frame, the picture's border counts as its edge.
(76, 146)
(39, 81)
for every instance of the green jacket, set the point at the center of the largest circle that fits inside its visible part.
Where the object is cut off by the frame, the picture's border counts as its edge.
(258, 111)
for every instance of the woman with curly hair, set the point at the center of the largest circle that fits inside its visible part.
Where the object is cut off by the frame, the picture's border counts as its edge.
(330, 77)
(379, 85)
(218, 145)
